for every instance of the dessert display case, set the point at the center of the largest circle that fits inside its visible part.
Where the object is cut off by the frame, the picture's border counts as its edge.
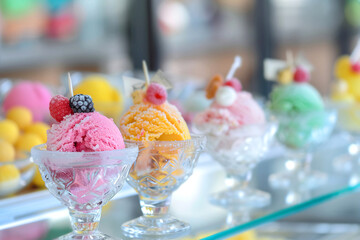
(191, 204)
(202, 41)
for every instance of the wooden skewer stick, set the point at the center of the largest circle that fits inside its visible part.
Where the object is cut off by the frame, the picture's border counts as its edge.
(70, 85)
(146, 73)
(290, 59)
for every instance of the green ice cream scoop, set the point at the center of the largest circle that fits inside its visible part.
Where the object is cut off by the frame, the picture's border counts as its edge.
(303, 121)
(295, 98)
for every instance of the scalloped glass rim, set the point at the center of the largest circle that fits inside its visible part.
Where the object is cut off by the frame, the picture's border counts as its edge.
(39, 155)
(195, 139)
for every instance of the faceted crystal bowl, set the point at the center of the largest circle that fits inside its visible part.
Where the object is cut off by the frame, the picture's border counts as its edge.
(239, 151)
(84, 182)
(300, 131)
(161, 167)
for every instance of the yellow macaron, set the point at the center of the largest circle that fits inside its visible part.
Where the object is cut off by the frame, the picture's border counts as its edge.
(9, 131)
(9, 179)
(7, 151)
(27, 141)
(39, 129)
(21, 116)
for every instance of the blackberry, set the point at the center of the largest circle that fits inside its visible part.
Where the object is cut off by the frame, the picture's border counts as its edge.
(82, 104)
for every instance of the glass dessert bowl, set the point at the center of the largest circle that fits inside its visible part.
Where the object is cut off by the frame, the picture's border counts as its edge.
(84, 182)
(161, 167)
(239, 151)
(300, 134)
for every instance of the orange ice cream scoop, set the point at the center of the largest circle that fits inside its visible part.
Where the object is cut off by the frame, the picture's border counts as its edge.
(152, 119)
(149, 122)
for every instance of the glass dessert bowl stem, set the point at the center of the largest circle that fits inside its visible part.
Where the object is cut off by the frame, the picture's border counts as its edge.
(238, 195)
(239, 199)
(237, 217)
(159, 170)
(156, 221)
(298, 177)
(151, 208)
(349, 162)
(85, 222)
(239, 152)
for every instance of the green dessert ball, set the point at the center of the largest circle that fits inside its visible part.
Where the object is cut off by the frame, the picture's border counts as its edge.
(300, 111)
(295, 98)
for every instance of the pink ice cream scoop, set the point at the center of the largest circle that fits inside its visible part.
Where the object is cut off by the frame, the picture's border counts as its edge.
(88, 132)
(244, 111)
(34, 96)
(84, 132)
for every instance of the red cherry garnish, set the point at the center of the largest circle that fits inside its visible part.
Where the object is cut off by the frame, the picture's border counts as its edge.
(234, 83)
(156, 94)
(355, 67)
(301, 75)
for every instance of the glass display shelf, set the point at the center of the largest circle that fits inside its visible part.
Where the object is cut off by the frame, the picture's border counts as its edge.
(190, 202)
(276, 214)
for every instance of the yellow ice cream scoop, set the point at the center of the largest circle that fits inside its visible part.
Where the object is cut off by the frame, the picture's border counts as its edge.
(27, 141)
(343, 68)
(7, 151)
(39, 129)
(343, 97)
(107, 99)
(21, 116)
(344, 71)
(9, 131)
(340, 92)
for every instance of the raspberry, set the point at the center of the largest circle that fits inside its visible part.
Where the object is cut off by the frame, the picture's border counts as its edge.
(156, 94)
(355, 67)
(82, 104)
(59, 107)
(234, 83)
(301, 75)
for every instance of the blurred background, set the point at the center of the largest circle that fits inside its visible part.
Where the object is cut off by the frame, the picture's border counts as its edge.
(41, 39)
